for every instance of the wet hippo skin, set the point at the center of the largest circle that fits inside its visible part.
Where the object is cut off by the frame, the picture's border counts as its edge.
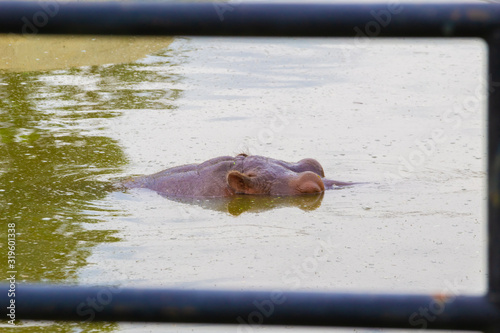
(226, 176)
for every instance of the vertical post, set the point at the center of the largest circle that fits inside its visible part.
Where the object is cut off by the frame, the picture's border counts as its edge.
(494, 169)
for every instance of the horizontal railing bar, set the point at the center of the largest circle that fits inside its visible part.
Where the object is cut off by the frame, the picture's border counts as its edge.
(78, 303)
(249, 19)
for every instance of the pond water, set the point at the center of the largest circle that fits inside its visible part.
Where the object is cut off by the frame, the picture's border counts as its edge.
(407, 117)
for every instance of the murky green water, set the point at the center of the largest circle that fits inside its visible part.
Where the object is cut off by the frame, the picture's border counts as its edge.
(403, 116)
(56, 158)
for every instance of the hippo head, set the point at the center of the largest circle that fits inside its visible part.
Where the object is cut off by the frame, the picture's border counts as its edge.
(261, 175)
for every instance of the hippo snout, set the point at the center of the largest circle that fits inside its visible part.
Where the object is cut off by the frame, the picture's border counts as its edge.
(309, 182)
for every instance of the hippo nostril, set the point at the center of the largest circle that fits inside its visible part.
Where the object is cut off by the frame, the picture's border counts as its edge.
(309, 164)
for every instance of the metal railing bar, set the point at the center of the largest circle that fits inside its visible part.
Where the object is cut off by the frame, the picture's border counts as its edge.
(493, 128)
(249, 19)
(52, 302)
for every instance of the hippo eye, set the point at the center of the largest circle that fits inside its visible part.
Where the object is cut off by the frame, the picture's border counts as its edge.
(251, 174)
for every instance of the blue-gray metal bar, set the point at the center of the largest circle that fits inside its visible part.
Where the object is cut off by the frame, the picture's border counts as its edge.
(493, 126)
(49, 302)
(291, 308)
(249, 19)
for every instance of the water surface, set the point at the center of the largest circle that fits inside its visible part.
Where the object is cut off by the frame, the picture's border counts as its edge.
(407, 117)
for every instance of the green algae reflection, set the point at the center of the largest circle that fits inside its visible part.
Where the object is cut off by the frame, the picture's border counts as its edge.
(56, 162)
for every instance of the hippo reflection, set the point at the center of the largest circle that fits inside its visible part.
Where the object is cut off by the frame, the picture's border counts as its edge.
(227, 176)
(239, 204)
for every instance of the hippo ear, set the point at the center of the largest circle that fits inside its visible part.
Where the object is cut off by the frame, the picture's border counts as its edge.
(239, 182)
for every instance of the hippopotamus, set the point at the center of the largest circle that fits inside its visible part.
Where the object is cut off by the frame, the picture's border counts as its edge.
(227, 176)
